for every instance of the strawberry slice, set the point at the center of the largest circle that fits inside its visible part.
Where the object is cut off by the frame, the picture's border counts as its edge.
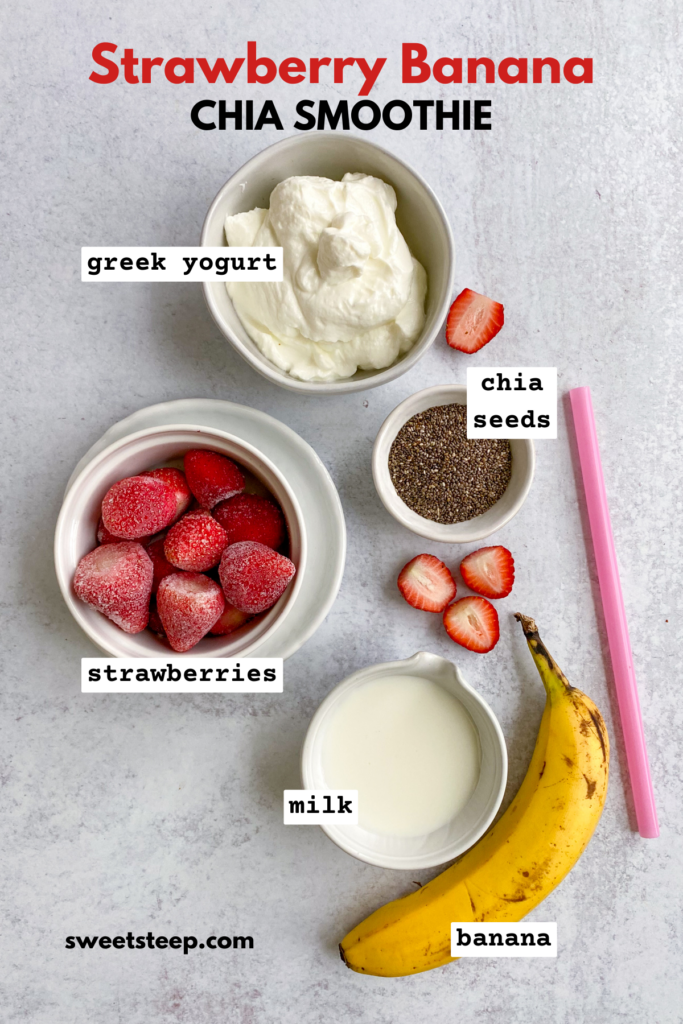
(473, 320)
(473, 623)
(489, 571)
(426, 583)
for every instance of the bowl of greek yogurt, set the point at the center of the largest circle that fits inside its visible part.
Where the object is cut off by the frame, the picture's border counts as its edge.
(368, 264)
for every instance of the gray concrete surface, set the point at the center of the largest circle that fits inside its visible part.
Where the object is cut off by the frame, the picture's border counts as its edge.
(163, 813)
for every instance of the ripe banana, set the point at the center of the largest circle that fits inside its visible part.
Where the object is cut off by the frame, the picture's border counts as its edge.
(521, 858)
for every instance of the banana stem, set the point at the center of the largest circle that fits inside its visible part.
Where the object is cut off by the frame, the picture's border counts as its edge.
(549, 671)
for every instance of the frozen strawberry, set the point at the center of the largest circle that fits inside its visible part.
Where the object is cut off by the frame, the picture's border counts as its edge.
(489, 571)
(116, 579)
(188, 604)
(251, 517)
(426, 583)
(162, 567)
(155, 623)
(230, 620)
(473, 623)
(175, 479)
(473, 320)
(212, 477)
(196, 542)
(138, 506)
(254, 576)
(105, 537)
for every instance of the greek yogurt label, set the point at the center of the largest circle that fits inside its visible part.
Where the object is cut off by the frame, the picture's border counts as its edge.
(110, 263)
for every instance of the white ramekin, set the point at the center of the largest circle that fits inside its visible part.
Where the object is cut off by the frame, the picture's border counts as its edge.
(523, 462)
(145, 449)
(419, 215)
(408, 853)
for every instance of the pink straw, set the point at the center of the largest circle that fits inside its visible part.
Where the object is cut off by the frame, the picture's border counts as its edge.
(615, 614)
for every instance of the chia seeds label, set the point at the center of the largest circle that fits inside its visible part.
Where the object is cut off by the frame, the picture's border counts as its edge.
(511, 402)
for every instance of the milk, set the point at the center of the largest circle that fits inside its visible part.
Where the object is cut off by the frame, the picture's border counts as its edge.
(411, 750)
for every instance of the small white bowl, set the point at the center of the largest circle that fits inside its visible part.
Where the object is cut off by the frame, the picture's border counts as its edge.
(145, 449)
(419, 215)
(408, 853)
(523, 463)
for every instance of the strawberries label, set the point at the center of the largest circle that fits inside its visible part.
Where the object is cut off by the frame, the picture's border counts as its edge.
(512, 401)
(181, 675)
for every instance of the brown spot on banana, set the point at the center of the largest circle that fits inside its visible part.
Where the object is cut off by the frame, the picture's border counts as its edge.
(596, 718)
(590, 787)
(474, 909)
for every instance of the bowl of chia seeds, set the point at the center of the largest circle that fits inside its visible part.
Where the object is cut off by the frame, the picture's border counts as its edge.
(438, 482)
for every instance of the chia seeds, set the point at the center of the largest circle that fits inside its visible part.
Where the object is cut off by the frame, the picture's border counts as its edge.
(440, 473)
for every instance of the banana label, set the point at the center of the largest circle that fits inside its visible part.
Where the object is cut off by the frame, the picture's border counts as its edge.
(496, 938)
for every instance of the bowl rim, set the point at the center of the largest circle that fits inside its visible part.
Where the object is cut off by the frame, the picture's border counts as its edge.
(64, 578)
(418, 664)
(446, 533)
(345, 385)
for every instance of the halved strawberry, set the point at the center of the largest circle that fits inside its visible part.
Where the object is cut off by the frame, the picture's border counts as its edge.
(473, 320)
(489, 571)
(426, 583)
(473, 623)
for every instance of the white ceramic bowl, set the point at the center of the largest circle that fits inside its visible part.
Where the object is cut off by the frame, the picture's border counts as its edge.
(523, 463)
(469, 825)
(419, 215)
(146, 449)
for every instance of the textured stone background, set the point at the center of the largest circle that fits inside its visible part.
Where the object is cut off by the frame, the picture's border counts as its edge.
(163, 812)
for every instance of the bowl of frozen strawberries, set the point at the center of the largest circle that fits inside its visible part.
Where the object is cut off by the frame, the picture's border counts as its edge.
(180, 540)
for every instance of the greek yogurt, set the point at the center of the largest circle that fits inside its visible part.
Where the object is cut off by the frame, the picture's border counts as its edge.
(352, 295)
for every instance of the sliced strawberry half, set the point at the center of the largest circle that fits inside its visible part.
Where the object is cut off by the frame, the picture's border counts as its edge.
(426, 583)
(489, 571)
(473, 623)
(473, 320)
